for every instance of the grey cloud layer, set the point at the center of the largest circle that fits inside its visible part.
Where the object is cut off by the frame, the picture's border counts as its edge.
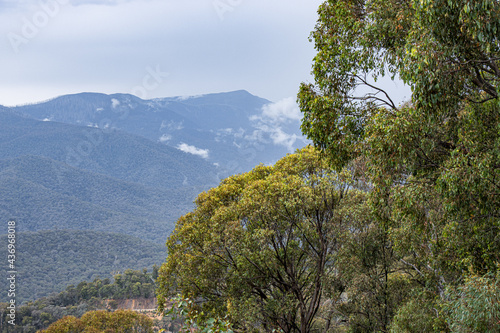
(106, 46)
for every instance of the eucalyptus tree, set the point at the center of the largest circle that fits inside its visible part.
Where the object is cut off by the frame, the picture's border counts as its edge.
(262, 247)
(433, 162)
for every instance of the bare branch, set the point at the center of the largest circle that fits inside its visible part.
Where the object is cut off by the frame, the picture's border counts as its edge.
(389, 103)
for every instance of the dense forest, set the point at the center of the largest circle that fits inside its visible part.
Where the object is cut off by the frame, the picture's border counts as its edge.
(127, 181)
(391, 222)
(80, 200)
(79, 299)
(52, 260)
(22, 136)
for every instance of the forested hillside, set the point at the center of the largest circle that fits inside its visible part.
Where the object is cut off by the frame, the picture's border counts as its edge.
(109, 152)
(43, 194)
(78, 299)
(392, 222)
(49, 261)
(235, 130)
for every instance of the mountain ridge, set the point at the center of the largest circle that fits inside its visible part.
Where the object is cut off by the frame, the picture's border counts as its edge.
(219, 127)
(77, 199)
(109, 152)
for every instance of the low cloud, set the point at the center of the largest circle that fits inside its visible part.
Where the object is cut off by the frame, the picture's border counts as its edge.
(270, 123)
(193, 150)
(281, 138)
(282, 111)
(185, 98)
(171, 125)
(165, 137)
(266, 133)
(115, 103)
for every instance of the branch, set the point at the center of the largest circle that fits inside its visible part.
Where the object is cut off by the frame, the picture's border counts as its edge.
(389, 103)
(479, 81)
(413, 266)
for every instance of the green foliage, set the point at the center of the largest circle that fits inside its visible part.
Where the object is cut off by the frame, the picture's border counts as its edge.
(52, 260)
(193, 320)
(432, 164)
(261, 245)
(75, 301)
(447, 51)
(475, 305)
(454, 56)
(373, 281)
(121, 321)
(421, 313)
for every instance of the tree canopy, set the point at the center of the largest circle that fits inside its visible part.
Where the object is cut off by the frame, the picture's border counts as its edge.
(446, 51)
(260, 246)
(434, 161)
(121, 321)
(393, 223)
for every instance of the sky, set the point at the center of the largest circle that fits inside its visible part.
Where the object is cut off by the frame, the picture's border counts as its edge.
(154, 48)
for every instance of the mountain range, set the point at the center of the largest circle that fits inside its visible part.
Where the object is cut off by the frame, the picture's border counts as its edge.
(92, 164)
(233, 130)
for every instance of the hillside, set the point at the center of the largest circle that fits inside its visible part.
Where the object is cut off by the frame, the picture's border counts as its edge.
(43, 194)
(48, 261)
(108, 152)
(230, 129)
(131, 289)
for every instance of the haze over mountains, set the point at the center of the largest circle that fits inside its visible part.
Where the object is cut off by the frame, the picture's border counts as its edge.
(119, 164)
(234, 130)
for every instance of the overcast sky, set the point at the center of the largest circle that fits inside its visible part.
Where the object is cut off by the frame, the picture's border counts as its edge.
(154, 48)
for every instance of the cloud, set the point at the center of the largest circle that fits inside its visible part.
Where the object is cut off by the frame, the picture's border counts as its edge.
(282, 111)
(115, 103)
(185, 98)
(171, 125)
(279, 137)
(193, 150)
(266, 133)
(165, 137)
(269, 124)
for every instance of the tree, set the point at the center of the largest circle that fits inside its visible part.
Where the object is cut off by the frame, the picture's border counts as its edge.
(261, 246)
(433, 162)
(185, 310)
(447, 51)
(475, 306)
(103, 321)
(68, 324)
(372, 281)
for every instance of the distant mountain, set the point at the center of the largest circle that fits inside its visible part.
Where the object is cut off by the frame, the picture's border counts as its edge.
(43, 194)
(75, 168)
(105, 151)
(230, 129)
(49, 261)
